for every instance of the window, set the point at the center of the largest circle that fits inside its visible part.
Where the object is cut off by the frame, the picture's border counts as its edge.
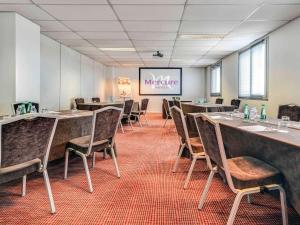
(215, 82)
(253, 72)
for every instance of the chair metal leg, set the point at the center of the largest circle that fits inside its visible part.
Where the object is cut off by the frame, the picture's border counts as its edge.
(235, 207)
(178, 158)
(130, 123)
(284, 212)
(49, 191)
(24, 185)
(139, 121)
(94, 160)
(206, 189)
(165, 122)
(121, 125)
(187, 180)
(115, 162)
(66, 163)
(146, 119)
(104, 154)
(87, 172)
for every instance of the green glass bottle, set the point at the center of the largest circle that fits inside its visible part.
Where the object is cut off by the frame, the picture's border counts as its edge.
(263, 113)
(246, 112)
(29, 108)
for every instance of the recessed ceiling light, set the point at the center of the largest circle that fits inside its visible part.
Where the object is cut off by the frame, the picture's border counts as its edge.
(118, 49)
(202, 36)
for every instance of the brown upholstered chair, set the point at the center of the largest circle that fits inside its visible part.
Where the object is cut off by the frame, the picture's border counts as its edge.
(291, 110)
(25, 147)
(245, 175)
(219, 101)
(177, 103)
(104, 127)
(194, 145)
(96, 99)
(127, 113)
(236, 103)
(167, 110)
(142, 111)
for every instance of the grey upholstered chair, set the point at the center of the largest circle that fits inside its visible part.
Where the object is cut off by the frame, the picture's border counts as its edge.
(104, 127)
(25, 147)
(219, 101)
(142, 111)
(167, 110)
(127, 113)
(96, 99)
(245, 175)
(290, 110)
(236, 103)
(194, 145)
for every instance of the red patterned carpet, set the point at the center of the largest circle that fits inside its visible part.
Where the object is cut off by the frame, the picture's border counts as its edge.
(147, 193)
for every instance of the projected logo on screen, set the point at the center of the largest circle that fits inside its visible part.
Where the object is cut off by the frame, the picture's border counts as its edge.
(161, 82)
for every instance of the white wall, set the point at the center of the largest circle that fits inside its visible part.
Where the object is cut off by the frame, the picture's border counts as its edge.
(284, 70)
(66, 74)
(193, 85)
(27, 60)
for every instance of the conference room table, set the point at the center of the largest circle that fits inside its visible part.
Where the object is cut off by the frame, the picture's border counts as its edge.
(268, 141)
(91, 106)
(191, 107)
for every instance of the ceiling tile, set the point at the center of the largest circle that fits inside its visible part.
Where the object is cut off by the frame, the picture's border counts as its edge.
(226, 2)
(104, 35)
(94, 25)
(154, 49)
(149, 12)
(89, 50)
(80, 12)
(111, 43)
(75, 42)
(122, 54)
(250, 27)
(231, 45)
(15, 1)
(147, 2)
(153, 44)
(277, 12)
(58, 2)
(218, 12)
(207, 27)
(47, 25)
(192, 49)
(165, 26)
(62, 35)
(152, 36)
(31, 12)
(236, 36)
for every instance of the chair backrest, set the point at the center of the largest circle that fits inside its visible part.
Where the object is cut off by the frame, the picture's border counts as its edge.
(219, 101)
(181, 127)
(236, 103)
(291, 110)
(79, 100)
(16, 105)
(177, 103)
(128, 106)
(166, 106)
(213, 144)
(25, 138)
(96, 99)
(105, 124)
(144, 104)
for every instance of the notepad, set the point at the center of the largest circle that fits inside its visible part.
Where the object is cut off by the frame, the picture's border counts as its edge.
(255, 128)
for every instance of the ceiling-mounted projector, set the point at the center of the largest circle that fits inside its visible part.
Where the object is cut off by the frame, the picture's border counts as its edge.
(158, 54)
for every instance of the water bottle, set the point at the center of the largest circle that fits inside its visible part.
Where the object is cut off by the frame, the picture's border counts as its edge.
(19, 110)
(23, 109)
(263, 114)
(33, 109)
(246, 112)
(29, 108)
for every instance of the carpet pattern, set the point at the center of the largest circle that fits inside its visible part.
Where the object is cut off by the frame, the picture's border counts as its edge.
(147, 192)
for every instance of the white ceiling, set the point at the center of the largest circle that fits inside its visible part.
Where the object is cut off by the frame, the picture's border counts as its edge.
(150, 25)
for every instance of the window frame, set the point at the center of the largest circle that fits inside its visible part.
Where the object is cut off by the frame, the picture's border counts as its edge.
(255, 97)
(218, 64)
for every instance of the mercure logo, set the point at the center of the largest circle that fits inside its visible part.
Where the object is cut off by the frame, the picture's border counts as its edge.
(161, 82)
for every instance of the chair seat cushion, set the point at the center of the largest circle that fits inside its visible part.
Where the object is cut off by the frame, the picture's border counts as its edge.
(196, 144)
(82, 144)
(250, 172)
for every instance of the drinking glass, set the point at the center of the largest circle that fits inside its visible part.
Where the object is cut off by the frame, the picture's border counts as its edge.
(284, 122)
